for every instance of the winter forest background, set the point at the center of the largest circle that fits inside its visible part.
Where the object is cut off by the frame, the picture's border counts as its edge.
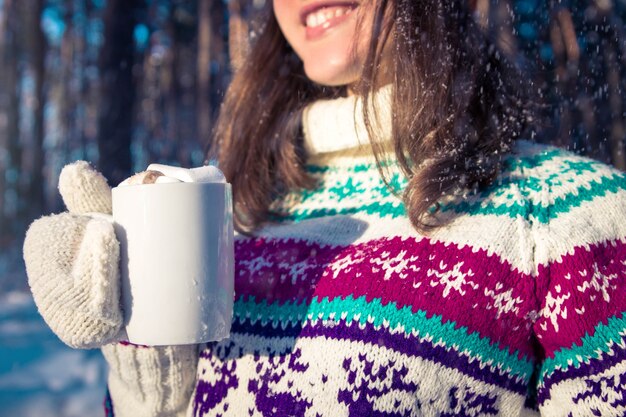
(123, 83)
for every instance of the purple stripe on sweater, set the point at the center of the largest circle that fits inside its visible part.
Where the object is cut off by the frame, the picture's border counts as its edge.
(399, 342)
(594, 367)
(464, 285)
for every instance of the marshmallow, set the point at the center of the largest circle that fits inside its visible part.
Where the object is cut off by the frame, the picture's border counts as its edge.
(166, 180)
(163, 174)
(145, 177)
(207, 173)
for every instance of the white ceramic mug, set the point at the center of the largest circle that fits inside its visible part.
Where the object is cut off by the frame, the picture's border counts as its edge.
(177, 261)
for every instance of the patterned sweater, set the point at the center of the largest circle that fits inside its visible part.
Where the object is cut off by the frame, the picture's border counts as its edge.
(344, 310)
(512, 309)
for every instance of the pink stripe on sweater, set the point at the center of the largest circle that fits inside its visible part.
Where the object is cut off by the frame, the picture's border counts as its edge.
(463, 285)
(581, 290)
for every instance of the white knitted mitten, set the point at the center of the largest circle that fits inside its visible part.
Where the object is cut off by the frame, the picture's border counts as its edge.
(72, 265)
(72, 262)
(151, 381)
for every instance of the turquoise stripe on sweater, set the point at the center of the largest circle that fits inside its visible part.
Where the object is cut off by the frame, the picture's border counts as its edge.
(385, 203)
(472, 344)
(590, 347)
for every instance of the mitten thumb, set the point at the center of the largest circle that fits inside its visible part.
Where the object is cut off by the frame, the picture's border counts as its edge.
(84, 190)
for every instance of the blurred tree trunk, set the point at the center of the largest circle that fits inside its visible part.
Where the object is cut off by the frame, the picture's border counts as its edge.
(4, 9)
(149, 107)
(117, 90)
(5, 92)
(496, 18)
(203, 98)
(151, 112)
(172, 88)
(212, 63)
(68, 100)
(37, 52)
(502, 17)
(566, 62)
(80, 50)
(185, 59)
(10, 152)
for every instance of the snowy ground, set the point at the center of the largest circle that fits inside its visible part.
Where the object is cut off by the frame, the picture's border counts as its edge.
(39, 375)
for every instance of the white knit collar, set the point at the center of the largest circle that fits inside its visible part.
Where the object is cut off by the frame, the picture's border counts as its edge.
(337, 124)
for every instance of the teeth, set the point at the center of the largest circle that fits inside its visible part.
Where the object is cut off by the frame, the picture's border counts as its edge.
(322, 16)
(311, 20)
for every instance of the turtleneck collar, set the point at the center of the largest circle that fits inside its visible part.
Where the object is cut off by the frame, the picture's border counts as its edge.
(338, 124)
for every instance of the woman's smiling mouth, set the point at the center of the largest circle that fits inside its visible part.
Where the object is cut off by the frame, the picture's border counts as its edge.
(320, 17)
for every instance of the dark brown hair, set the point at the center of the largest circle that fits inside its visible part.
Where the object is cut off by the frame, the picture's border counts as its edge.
(457, 105)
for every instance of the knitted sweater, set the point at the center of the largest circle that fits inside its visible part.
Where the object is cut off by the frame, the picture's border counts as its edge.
(513, 308)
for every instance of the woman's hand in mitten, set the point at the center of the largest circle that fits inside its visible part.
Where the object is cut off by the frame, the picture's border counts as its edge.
(151, 381)
(72, 262)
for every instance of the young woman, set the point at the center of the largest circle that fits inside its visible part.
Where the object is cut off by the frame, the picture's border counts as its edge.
(402, 250)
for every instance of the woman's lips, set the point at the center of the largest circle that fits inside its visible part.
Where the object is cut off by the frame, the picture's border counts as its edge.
(320, 17)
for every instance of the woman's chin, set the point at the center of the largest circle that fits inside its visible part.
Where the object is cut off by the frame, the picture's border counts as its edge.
(332, 76)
